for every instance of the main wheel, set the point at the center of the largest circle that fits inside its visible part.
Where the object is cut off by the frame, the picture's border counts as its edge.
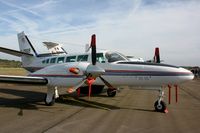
(111, 92)
(96, 89)
(161, 107)
(49, 103)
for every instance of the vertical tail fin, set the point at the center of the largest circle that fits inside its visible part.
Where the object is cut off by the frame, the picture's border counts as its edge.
(156, 58)
(26, 46)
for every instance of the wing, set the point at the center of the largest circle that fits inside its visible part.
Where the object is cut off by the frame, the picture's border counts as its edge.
(23, 80)
(14, 52)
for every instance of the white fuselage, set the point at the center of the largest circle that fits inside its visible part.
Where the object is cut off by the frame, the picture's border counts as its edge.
(38, 63)
(122, 73)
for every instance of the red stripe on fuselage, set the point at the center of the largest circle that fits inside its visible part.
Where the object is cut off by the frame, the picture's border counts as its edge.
(146, 71)
(55, 75)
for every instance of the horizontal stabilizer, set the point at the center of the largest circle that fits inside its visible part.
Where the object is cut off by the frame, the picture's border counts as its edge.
(14, 52)
(23, 80)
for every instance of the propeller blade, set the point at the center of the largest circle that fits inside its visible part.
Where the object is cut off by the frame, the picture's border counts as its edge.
(73, 89)
(157, 56)
(93, 47)
(106, 83)
(90, 90)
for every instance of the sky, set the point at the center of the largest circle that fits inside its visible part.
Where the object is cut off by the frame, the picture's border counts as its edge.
(131, 27)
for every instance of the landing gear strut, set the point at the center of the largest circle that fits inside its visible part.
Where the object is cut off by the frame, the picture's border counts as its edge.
(52, 94)
(160, 105)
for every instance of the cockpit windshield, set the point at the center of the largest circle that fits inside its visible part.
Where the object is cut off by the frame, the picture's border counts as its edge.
(114, 56)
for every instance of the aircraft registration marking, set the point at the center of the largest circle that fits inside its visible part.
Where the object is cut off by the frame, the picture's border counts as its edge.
(142, 78)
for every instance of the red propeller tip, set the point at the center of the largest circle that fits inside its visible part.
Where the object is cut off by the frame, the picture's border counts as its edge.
(157, 51)
(93, 40)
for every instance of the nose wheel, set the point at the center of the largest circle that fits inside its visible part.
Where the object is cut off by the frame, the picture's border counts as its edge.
(160, 105)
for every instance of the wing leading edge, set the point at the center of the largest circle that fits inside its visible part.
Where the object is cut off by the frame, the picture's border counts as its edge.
(23, 80)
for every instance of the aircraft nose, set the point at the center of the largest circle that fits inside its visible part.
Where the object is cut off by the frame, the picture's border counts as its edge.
(187, 75)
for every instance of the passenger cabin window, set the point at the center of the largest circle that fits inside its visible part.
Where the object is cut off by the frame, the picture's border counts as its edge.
(53, 60)
(112, 57)
(60, 59)
(100, 58)
(71, 59)
(47, 61)
(82, 58)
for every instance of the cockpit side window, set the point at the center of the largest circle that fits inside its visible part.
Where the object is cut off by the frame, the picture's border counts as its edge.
(100, 58)
(112, 57)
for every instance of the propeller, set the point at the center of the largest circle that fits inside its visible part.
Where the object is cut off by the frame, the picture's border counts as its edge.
(157, 55)
(92, 71)
(93, 47)
(73, 89)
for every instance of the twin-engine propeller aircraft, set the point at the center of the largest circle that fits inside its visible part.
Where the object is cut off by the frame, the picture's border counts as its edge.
(109, 69)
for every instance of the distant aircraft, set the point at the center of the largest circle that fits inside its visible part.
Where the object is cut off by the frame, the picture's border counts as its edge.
(132, 58)
(110, 69)
(55, 48)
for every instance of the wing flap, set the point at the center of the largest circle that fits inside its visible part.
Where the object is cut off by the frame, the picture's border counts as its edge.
(23, 80)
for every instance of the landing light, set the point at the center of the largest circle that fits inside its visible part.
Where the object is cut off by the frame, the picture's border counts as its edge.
(74, 70)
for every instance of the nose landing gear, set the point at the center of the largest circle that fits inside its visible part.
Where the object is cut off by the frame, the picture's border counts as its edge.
(160, 105)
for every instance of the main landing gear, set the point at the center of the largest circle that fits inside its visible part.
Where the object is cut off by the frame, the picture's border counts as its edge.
(111, 92)
(97, 89)
(52, 94)
(160, 105)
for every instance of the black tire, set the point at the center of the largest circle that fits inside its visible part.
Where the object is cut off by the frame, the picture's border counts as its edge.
(160, 108)
(51, 103)
(111, 92)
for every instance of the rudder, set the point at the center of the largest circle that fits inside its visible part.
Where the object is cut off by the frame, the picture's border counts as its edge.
(26, 46)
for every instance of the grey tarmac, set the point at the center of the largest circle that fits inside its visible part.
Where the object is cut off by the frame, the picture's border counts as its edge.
(22, 110)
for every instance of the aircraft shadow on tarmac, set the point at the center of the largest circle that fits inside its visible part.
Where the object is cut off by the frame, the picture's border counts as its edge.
(29, 100)
(75, 101)
(24, 98)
